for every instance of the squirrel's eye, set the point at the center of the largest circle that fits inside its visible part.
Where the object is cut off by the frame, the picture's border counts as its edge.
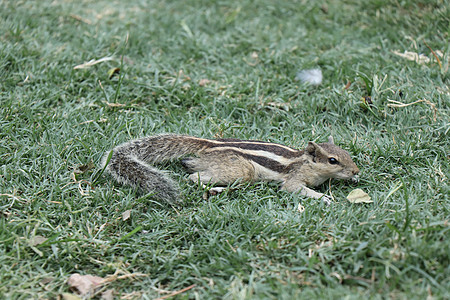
(332, 160)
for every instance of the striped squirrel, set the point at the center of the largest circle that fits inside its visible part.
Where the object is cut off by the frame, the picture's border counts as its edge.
(223, 161)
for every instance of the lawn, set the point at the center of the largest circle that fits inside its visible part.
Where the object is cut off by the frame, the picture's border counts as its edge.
(79, 77)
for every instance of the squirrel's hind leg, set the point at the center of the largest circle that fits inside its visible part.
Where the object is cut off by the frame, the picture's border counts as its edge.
(222, 168)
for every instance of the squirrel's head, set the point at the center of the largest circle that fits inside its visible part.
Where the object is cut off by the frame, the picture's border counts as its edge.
(333, 161)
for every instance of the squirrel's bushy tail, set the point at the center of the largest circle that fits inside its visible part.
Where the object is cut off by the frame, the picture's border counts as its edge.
(130, 162)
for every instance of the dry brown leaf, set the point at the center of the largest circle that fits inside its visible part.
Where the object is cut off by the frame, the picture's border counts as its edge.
(37, 240)
(359, 196)
(108, 295)
(126, 215)
(112, 72)
(84, 284)
(67, 296)
(203, 82)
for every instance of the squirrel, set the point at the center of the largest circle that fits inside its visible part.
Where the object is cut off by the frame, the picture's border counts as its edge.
(221, 162)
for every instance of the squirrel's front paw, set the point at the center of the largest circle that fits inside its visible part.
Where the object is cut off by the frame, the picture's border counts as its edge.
(216, 190)
(213, 191)
(355, 179)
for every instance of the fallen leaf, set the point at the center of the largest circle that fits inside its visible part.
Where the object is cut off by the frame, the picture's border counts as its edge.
(203, 82)
(37, 240)
(84, 284)
(126, 215)
(108, 295)
(112, 72)
(67, 296)
(359, 196)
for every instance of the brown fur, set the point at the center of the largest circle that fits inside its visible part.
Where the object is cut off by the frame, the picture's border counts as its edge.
(222, 162)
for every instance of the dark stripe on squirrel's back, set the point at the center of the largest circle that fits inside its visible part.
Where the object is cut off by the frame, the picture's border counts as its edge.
(263, 161)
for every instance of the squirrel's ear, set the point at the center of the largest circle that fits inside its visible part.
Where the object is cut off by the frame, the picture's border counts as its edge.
(312, 147)
(316, 150)
(330, 140)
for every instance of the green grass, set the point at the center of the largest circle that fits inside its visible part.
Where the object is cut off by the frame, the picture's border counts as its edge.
(244, 244)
